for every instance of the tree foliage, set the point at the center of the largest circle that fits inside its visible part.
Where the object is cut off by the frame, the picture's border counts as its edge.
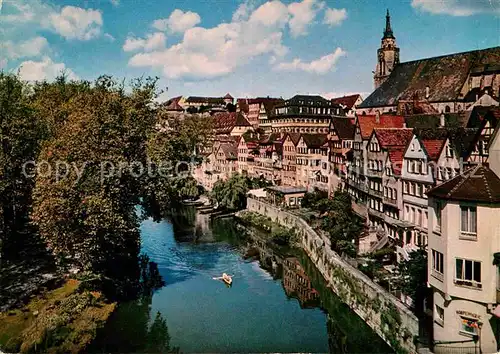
(413, 277)
(232, 193)
(20, 135)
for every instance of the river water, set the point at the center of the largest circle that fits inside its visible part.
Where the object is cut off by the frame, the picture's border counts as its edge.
(286, 308)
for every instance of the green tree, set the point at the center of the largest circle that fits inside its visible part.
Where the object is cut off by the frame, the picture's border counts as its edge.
(88, 217)
(413, 278)
(20, 136)
(342, 224)
(232, 193)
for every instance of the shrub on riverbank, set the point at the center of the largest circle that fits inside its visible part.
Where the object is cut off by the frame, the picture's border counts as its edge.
(279, 235)
(63, 320)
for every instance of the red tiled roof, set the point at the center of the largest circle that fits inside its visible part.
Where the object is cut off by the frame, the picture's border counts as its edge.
(230, 151)
(173, 104)
(393, 136)
(369, 122)
(224, 122)
(433, 148)
(344, 127)
(347, 101)
(396, 158)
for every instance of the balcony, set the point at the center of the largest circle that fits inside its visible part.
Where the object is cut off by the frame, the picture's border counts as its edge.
(358, 185)
(373, 173)
(375, 193)
(390, 201)
(376, 213)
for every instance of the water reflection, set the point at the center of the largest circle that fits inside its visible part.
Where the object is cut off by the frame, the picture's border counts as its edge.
(278, 301)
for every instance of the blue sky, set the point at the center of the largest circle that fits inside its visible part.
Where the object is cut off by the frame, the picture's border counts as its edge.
(248, 48)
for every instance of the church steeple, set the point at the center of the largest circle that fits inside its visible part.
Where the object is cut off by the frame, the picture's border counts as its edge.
(387, 54)
(388, 30)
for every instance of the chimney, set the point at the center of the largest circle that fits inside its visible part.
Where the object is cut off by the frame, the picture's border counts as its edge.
(404, 125)
(441, 120)
(377, 117)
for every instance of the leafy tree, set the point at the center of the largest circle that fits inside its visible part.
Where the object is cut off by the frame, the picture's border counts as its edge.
(413, 278)
(20, 135)
(231, 107)
(232, 193)
(311, 199)
(192, 110)
(342, 224)
(89, 216)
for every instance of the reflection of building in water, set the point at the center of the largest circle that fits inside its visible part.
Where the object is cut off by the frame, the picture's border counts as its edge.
(297, 284)
(203, 231)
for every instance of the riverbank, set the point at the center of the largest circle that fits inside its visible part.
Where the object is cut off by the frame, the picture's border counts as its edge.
(384, 313)
(62, 320)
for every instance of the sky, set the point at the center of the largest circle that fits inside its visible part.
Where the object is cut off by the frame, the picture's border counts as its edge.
(247, 48)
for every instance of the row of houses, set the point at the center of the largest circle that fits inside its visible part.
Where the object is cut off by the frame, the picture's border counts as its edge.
(420, 157)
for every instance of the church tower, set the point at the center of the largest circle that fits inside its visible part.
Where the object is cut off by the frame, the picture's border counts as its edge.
(387, 54)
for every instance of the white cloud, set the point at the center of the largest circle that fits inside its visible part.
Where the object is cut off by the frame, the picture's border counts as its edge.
(109, 37)
(330, 95)
(458, 7)
(44, 70)
(152, 42)
(244, 10)
(115, 2)
(335, 17)
(178, 21)
(77, 23)
(206, 53)
(29, 48)
(319, 66)
(302, 15)
(3, 63)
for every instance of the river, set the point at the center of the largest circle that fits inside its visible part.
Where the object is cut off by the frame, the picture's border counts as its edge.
(282, 309)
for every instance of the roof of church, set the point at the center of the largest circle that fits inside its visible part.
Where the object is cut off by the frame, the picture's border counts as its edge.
(347, 101)
(479, 184)
(452, 120)
(444, 75)
(369, 122)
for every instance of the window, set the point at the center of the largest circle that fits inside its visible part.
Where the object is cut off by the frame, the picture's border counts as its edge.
(405, 187)
(412, 188)
(439, 316)
(468, 273)
(419, 190)
(468, 220)
(437, 263)
(469, 326)
(438, 210)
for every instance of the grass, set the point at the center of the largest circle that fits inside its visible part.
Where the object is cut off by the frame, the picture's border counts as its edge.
(63, 320)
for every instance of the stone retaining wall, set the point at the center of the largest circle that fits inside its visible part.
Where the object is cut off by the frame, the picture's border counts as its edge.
(382, 311)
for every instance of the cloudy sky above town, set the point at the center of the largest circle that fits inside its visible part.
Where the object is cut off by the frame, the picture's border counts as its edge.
(248, 48)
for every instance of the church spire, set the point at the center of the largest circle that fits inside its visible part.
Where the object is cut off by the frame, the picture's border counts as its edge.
(388, 30)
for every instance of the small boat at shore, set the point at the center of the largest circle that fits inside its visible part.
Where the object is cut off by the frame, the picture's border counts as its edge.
(228, 279)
